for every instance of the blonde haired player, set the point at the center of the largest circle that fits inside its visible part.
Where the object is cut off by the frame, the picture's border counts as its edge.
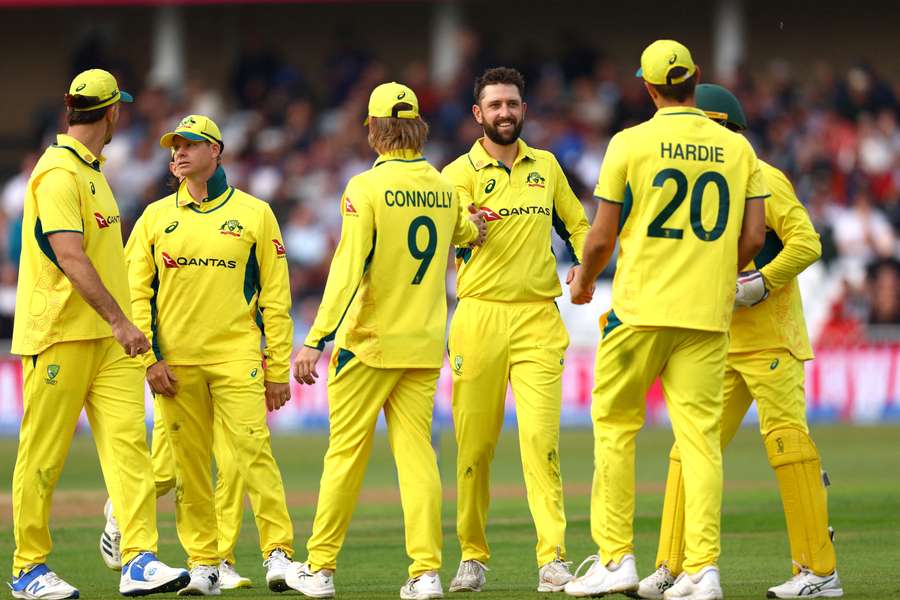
(208, 275)
(385, 300)
(685, 197)
(229, 493)
(507, 329)
(765, 362)
(74, 332)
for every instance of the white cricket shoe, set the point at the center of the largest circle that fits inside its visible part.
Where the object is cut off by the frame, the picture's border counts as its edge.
(204, 582)
(600, 579)
(145, 574)
(110, 540)
(807, 584)
(652, 586)
(423, 587)
(554, 576)
(703, 585)
(230, 579)
(40, 583)
(276, 566)
(318, 584)
(469, 577)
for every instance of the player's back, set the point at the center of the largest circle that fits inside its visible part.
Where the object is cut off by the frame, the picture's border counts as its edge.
(398, 317)
(686, 182)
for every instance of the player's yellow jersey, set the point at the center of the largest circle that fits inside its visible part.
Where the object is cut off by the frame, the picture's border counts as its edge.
(792, 244)
(682, 180)
(386, 292)
(66, 192)
(209, 279)
(524, 204)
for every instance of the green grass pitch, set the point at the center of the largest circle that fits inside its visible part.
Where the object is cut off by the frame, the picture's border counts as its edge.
(864, 500)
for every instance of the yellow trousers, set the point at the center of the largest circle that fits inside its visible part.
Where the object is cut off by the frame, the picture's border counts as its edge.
(356, 395)
(231, 396)
(493, 345)
(98, 376)
(230, 487)
(776, 380)
(691, 365)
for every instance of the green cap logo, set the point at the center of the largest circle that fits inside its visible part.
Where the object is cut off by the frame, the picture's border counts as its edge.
(81, 87)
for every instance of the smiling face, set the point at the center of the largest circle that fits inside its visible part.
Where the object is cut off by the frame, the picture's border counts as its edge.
(193, 158)
(501, 112)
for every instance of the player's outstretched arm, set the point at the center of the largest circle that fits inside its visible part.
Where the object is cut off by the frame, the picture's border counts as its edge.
(598, 248)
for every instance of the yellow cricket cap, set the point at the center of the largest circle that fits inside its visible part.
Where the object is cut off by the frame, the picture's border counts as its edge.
(100, 85)
(196, 128)
(393, 100)
(660, 57)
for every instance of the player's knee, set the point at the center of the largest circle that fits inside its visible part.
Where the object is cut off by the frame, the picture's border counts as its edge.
(787, 445)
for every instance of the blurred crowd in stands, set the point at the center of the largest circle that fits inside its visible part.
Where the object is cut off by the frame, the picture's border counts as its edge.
(295, 143)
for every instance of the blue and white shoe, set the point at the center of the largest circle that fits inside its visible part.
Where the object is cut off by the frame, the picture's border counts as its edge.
(146, 574)
(40, 583)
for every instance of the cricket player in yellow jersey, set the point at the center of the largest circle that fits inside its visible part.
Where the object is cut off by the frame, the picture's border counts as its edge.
(229, 493)
(210, 241)
(78, 348)
(385, 300)
(686, 198)
(507, 329)
(765, 362)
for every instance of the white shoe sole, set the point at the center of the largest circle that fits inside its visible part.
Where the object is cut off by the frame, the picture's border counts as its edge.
(59, 596)
(425, 596)
(188, 591)
(833, 593)
(175, 585)
(464, 588)
(625, 589)
(240, 585)
(549, 587)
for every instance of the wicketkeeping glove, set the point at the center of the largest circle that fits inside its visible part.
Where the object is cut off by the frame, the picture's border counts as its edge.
(750, 289)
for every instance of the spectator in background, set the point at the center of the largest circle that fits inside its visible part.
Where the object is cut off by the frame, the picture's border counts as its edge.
(884, 292)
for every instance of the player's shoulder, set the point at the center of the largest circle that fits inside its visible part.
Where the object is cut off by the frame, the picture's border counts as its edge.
(776, 181)
(160, 206)
(544, 156)
(459, 167)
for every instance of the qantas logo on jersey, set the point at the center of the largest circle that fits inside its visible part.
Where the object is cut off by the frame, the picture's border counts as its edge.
(279, 248)
(104, 222)
(183, 261)
(349, 209)
(490, 215)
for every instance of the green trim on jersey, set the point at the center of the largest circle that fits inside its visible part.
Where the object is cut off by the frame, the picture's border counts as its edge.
(154, 309)
(344, 356)
(43, 243)
(612, 321)
(94, 165)
(771, 247)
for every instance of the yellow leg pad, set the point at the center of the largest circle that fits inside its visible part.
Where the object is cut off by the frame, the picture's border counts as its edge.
(795, 459)
(671, 531)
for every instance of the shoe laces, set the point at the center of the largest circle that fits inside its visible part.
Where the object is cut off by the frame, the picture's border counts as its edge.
(558, 565)
(52, 578)
(660, 575)
(474, 567)
(276, 556)
(592, 561)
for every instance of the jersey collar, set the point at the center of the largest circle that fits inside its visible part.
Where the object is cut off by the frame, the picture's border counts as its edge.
(480, 159)
(80, 150)
(671, 111)
(399, 156)
(216, 186)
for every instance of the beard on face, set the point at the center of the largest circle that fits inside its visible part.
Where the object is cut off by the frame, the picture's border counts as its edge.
(503, 138)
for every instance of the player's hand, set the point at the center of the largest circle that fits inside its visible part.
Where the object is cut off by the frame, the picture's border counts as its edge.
(581, 292)
(572, 274)
(161, 379)
(305, 365)
(477, 217)
(750, 289)
(277, 395)
(132, 340)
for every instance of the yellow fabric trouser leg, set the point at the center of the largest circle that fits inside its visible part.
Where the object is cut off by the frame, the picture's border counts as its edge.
(188, 417)
(239, 408)
(356, 394)
(737, 400)
(691, 365)
(538, 342)
(164, 475)
(98, 376)
(479, 355)
(229, 494)
(492, 345)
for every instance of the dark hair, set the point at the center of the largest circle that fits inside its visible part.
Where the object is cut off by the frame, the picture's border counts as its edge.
(83, 117)
(505, 75)
(679, 92)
